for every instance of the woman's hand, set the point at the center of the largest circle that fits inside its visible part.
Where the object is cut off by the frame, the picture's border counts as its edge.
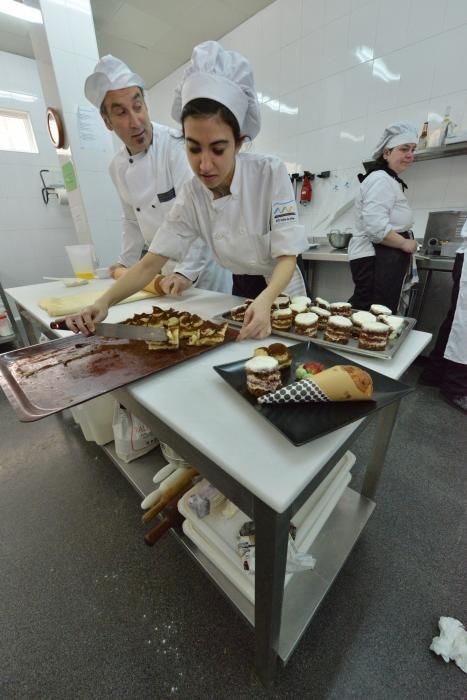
(257, 321)
(409, 245)
(85, 321)
(174, 284)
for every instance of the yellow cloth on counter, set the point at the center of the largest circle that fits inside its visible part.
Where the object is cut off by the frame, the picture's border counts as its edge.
(73, 303)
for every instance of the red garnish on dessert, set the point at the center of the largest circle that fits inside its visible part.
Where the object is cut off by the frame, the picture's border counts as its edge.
(313, 367)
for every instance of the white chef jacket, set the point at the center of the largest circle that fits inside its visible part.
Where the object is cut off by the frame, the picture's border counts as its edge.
(456, 347)
(246, 230)
(147, 184)
(380, 207)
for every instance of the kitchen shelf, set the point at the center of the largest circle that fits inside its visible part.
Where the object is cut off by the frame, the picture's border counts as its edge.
(455, 149)
(140, 471)
(306, 590)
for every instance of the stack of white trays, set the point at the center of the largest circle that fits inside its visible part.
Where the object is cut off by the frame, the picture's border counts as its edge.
(217, 536)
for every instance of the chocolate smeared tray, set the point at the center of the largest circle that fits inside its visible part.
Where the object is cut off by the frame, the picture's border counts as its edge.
(43, 379)
(352, 346)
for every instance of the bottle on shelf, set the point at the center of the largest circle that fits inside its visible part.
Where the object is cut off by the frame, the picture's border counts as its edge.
(423, 140)
(445, 125)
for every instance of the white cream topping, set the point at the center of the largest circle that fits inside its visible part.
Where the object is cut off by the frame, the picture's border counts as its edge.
(394, 322)
(376, 327)
(280, 301)
(306, 319)
(281, 313)
(301, 300)
(298, 308)
(261, 363)
(340, 321)
(319, 300)
(362, 317)
(378, 309)
(321, 312)
(340, 305)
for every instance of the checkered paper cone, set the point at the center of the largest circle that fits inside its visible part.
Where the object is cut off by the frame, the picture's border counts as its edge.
(303, 391)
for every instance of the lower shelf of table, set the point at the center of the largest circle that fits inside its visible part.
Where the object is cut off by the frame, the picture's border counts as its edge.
(307, 589)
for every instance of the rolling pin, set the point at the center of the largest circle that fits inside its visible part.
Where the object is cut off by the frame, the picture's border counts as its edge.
(172, 518)
(172, 491)
(165, 484)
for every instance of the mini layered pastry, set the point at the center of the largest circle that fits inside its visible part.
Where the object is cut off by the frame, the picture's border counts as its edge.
(395, 323)
(322, 303)
(278, 351)
(306, 324)
(323, 316)
(262, 375)
(379, 309)
(358, 319)
(238, 312)
(299, 308)
(282, 302)
(338, 330)
(281, 319)
(374, 336)
(341, 308)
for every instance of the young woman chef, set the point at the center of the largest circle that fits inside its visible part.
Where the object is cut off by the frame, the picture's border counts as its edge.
(242, 205)
(380, 249)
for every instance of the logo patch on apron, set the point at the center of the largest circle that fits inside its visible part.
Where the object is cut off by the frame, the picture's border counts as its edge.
(283, 212)
(166, 196)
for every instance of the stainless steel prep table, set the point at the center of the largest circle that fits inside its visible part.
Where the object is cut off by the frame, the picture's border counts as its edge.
(258, 469)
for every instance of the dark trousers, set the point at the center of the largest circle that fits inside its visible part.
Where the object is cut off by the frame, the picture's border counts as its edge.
(249, 286)
(378, 279)
(450, 376)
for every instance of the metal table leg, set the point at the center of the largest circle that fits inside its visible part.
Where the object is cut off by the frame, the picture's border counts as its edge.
(386, 419)
(272, 530)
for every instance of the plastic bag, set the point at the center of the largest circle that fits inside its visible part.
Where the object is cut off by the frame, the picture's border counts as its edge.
(132, 437)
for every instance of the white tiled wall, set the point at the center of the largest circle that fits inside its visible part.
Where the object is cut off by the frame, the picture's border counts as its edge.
(32, 235)
(333, 73)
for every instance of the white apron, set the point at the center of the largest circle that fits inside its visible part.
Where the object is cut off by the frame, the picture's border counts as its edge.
(456, 348)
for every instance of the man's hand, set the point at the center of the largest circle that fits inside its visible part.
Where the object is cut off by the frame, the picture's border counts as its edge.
(257, 321)
(175, 284)
(85, 321)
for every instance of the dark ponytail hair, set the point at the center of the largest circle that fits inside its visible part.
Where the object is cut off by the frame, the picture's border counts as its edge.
(205, 107)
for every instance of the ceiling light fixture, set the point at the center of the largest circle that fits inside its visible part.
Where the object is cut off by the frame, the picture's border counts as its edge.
(20, 11)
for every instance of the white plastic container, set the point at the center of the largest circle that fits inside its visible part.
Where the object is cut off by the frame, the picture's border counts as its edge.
(5, 326)
(95, 418)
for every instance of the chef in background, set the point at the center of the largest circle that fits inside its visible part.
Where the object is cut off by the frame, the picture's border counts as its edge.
(381, 247)
(447, 367)
(241, 204)
(148, 172)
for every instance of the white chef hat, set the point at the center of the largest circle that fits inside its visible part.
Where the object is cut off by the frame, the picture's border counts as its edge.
(110, 73)
(224, 76)
(395, 135)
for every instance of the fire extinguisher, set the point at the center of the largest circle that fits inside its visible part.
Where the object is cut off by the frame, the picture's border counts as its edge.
(306, 191)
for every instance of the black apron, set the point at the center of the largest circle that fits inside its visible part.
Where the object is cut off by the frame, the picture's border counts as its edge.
(249, 286)
(378, 278)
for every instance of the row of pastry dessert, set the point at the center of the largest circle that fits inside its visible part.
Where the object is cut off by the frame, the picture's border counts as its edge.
(182, 328)
(299, 315)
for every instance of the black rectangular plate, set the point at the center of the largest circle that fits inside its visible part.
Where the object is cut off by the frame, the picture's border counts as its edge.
(303, 422)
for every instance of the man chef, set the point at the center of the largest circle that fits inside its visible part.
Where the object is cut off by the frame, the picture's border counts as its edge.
(147, 172)
(448, 361)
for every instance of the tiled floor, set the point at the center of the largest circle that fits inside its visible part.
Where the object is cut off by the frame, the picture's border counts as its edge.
(88, 611)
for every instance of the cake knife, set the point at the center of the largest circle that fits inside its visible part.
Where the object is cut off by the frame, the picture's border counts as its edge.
(120, 330)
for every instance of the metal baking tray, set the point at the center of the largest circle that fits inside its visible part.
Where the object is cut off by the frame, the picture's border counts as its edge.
(352, 346)
(43, 379)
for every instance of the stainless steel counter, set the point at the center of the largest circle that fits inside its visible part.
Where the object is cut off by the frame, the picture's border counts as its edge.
(326, 253)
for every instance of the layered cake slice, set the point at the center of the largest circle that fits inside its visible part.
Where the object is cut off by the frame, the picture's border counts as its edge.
(306, 324)
(374, 336)
(262, 375)
(338, 330)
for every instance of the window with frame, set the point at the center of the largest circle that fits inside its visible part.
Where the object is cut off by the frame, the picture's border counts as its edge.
(16, 132)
